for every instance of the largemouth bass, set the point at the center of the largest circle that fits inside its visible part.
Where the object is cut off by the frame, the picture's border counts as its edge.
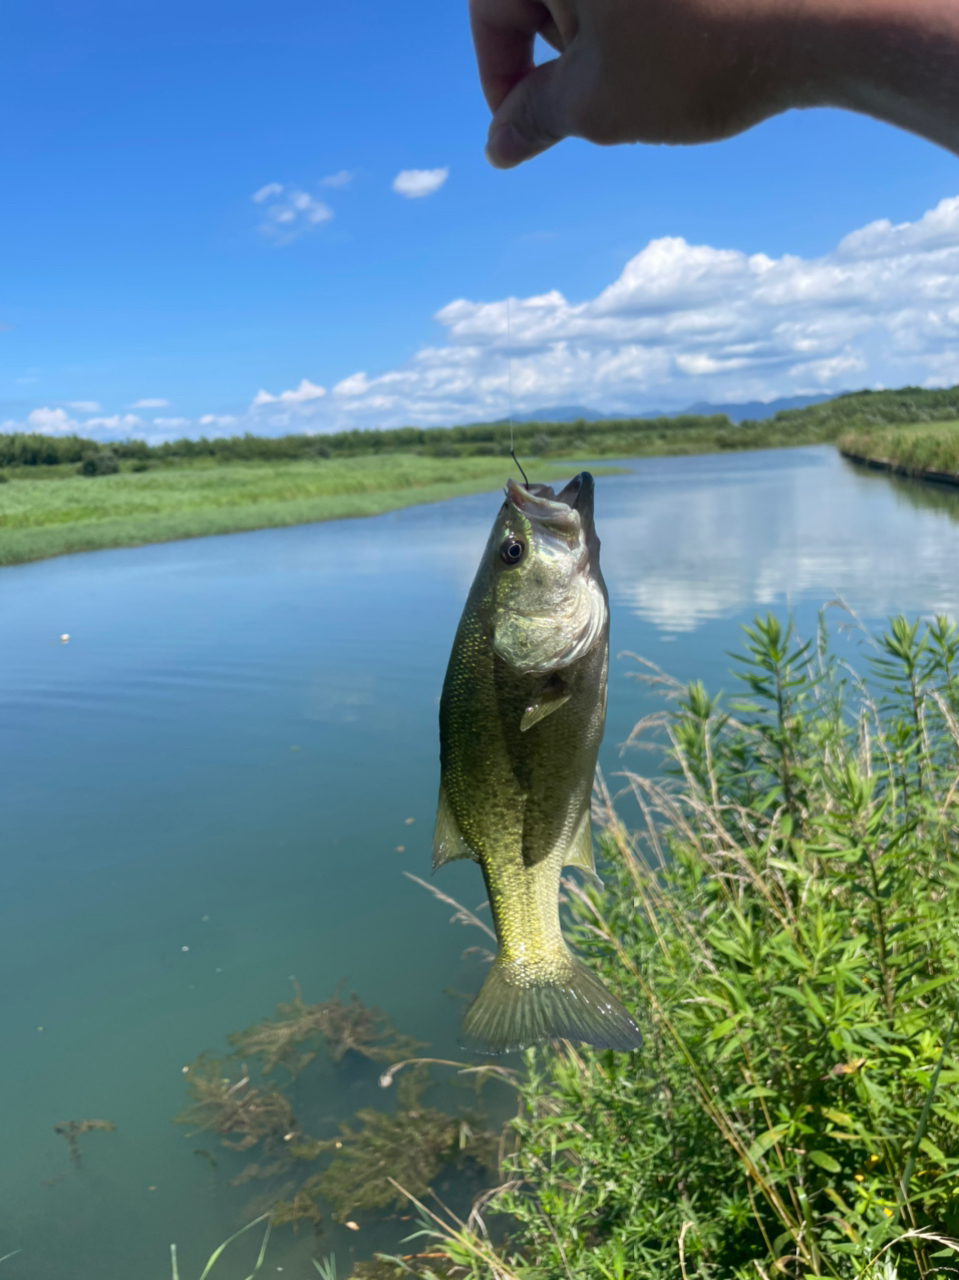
(521, 719)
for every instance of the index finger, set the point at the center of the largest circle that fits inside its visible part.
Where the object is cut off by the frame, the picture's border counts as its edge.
(504, 32)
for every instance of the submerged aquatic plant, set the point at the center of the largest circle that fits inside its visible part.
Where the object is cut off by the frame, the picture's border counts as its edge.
(410, 1146)
(356, 1168)
(73, 1130)
(344, 1027)
(242, 1114)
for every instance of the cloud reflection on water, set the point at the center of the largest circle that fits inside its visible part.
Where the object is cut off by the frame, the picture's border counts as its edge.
(708, 538)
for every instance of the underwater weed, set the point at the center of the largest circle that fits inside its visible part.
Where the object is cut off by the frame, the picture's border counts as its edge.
(234, 1107)
(344, 1027)
(72, 1130)
(411, 1144)
(414, 1141)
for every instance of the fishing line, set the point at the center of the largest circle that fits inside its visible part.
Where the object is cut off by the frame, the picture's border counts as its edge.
(509, 374)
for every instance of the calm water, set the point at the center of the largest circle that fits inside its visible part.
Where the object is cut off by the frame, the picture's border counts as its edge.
(224, 758)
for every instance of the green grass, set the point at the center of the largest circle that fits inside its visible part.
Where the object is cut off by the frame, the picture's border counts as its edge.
(921, 449)
(49, 516)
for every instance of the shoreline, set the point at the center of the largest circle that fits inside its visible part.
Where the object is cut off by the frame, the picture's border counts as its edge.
(924, 474)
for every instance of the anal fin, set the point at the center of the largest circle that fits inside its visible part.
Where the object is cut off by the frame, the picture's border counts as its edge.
(448, 842)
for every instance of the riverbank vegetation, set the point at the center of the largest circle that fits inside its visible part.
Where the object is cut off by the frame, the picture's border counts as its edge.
(62, 493)
(623, 437)
(928, 451)
(782, 912)
(46, 512)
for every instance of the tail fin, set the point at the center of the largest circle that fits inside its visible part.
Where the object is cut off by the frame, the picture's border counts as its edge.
(506, 1016)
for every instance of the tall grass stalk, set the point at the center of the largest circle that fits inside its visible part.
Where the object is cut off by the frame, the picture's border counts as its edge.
(214, 1256)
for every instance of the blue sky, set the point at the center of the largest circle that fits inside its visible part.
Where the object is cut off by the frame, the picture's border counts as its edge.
(135, 267)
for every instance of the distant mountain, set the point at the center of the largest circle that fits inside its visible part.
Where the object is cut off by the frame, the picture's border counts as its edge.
(756, 408)
(573, 413)
(735, 412)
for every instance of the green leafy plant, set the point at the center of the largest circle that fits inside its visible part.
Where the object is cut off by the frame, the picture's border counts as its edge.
(785, 918)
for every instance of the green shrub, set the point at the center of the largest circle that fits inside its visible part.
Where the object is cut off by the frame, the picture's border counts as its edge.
(102, 462)
(786, 923)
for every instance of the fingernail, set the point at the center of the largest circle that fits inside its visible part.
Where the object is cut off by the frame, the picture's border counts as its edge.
(505, 147)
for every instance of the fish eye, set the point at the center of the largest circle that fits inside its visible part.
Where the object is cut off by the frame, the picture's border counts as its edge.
(512, 551)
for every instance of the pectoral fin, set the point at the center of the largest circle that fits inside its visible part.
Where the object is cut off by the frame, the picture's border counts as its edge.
(550, 701)
(580, 852)
(448, 842)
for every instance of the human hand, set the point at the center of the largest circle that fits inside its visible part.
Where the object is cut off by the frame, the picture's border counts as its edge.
(676, 71)
(685, 71)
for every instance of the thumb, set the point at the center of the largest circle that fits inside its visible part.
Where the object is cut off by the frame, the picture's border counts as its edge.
(533, 116)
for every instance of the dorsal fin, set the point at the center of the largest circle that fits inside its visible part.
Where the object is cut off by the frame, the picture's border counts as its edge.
(448, 842)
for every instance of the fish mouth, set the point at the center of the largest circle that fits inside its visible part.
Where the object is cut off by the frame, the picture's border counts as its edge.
(538, 502)
(579, 494)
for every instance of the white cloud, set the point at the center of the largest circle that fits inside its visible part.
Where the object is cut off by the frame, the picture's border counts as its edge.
(218, 420)
(338, 180)
(150, 404)
(54, 422)
(416, 183)
(684, 323)
(51, 422)
(123, 424)
(289, 212)
(170, 424)
(303, 394)
(84, 406)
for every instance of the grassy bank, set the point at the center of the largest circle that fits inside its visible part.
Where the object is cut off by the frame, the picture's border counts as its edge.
(56, 511)
(925, 452)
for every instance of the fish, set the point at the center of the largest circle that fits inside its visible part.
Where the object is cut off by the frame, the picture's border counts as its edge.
(522, 714)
